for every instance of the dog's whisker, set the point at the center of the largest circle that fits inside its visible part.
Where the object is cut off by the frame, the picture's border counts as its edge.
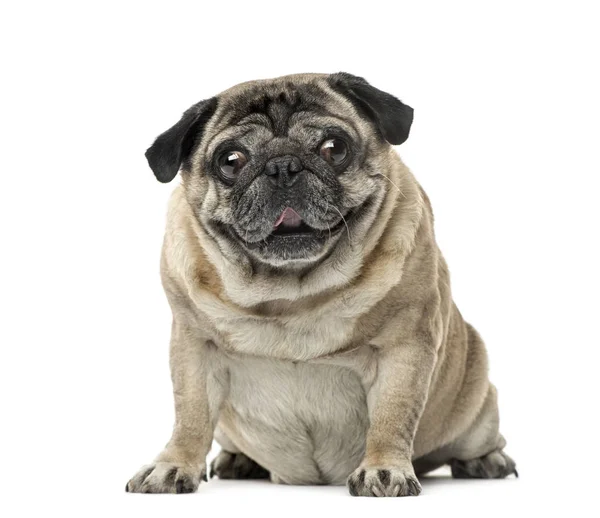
(389, 180)
(345, 223)
(327, 210)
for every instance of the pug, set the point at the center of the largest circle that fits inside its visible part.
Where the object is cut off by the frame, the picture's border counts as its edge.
(314, 334)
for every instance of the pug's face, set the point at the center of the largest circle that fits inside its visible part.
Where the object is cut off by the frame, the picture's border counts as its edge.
(284, 169)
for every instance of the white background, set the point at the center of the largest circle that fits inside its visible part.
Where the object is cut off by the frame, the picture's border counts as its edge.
(505, 141)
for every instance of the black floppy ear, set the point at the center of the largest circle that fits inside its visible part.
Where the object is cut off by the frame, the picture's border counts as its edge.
(392, 117)
(172, 147)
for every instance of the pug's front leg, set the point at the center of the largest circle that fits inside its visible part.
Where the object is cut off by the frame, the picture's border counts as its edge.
(396, 401)
(199, 385)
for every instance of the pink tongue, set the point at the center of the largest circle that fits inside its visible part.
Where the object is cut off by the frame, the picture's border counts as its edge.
(289, 217)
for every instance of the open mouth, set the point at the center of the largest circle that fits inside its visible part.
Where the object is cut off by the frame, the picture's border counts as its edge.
(291, 238)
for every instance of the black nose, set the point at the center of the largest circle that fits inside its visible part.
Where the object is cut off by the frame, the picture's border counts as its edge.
(282, 170)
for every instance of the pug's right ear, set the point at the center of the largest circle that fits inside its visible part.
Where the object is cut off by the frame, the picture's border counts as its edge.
(174, 146)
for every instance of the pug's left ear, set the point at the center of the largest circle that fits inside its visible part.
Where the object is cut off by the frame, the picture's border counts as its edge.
(172, 147)
(391, 117)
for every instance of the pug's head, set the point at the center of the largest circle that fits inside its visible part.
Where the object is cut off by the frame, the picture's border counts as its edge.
(283, 170)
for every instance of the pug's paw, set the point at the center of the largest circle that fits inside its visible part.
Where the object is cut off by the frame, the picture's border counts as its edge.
(229, 465)
(496, 464)
(165, 477)
(384, 481)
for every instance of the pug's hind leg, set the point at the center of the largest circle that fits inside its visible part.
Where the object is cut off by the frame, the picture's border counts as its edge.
(228, 465)
(479, 452)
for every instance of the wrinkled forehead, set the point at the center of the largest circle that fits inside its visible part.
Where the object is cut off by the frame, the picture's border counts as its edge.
(281, 108)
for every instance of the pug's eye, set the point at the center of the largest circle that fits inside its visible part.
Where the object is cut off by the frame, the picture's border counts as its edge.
(334, 151)
(230, 164)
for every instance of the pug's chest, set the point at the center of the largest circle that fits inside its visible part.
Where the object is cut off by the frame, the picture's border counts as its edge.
(297, 338)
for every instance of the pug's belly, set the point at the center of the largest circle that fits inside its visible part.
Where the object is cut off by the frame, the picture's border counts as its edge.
(305, 423)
